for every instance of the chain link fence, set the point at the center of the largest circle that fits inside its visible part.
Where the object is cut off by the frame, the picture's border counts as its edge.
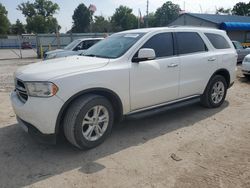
(19, 46)
(34, 46)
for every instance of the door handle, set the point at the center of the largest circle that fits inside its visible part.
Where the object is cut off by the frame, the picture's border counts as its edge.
(212, 59)
(172, 65)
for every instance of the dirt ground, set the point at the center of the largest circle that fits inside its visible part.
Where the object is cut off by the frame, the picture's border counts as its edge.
(211, 148)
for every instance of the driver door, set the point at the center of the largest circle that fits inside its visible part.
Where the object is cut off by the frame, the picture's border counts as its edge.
(154, 82)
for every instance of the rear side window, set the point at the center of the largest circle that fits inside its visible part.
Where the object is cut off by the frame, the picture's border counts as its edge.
(189, 42)
(218, 41)
(162, 44)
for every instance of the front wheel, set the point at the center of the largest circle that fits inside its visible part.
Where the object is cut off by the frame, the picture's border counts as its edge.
(88, 121)
(215, 92)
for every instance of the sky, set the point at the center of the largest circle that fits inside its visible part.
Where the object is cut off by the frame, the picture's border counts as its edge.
(107, 7)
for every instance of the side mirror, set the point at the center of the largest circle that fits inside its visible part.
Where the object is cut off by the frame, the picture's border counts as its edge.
(144, 54)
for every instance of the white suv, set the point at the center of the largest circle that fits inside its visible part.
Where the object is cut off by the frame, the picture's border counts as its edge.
(126, 73)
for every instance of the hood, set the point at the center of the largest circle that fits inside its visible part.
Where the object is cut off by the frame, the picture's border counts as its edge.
(55, 51)
(46, 70)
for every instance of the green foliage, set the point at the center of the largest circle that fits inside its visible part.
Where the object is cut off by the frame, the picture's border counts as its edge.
(167, 13)
(39, 16)
(241, 9)
(123, 19)
(4, 22)
(101, 25)
(81, 19)
(17, 28)
(221, 10)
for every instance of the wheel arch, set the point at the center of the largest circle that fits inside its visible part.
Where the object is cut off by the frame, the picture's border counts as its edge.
(223, 72)
(109, 94)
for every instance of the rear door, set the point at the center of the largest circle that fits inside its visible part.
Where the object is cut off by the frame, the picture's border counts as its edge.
(196, 63)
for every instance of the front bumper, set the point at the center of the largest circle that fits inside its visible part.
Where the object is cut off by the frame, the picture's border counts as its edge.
(246, 68)
(41, 113)
(36, 134)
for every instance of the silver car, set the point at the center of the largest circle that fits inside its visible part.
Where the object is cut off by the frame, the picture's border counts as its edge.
(241, 51)
(74, 48)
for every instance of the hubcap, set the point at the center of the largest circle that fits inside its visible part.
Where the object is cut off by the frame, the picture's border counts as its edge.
(218, 92)
(95, 123)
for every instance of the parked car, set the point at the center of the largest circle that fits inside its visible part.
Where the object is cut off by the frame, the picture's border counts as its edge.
(241, 51)
(26, 45)
(246, 67)
(74, 48)
(124, 74)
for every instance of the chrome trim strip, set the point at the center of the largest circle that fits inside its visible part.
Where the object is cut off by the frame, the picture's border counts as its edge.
(162, 104)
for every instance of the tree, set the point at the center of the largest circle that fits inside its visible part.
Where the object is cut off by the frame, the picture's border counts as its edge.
(123, 19)
(221, 10)
(167, 13)
(101, 25)
(4, 22)
(39, 16)
(17, 28)
(241, 9)
(151, 20)
(81, 19)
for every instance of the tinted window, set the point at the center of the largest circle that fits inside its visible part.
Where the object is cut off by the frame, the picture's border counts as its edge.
(162, 44)
(190, 42)
(218, 41)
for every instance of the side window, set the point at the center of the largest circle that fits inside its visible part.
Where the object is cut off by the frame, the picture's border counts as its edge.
(238, 45)
(190, 42)
(89, 43)
(162, 44)
(218, 41)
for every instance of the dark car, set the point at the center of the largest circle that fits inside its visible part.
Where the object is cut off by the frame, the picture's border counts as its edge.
(26, 45)
(241, 51)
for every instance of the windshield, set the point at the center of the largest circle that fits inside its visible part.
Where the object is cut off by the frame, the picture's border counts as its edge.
(114, 46)
(72, 45)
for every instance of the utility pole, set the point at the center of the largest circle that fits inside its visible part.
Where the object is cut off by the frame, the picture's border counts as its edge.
(147, 15)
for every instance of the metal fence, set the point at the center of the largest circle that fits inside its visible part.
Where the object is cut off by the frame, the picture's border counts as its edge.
(39, 44)
(18, 46)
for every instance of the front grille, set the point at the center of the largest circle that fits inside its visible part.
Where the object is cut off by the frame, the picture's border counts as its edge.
(21, 91)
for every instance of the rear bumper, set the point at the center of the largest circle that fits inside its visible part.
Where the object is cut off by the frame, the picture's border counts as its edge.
(36, 134)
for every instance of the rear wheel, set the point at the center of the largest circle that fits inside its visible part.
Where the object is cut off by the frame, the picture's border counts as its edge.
(88, 121)
(215, 92)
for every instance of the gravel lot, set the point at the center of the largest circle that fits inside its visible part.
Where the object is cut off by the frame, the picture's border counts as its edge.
(209, 148)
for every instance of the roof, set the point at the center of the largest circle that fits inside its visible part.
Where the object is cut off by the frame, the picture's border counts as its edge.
(218, 19)
(171, 28)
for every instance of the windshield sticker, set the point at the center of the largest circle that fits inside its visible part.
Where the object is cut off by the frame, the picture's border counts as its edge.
(132, 35)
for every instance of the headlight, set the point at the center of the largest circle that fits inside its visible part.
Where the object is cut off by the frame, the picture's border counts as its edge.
(41, 89)
(51, 56)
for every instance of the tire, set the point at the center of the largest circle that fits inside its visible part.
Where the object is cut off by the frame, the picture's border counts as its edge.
(208, 99)
(80, 120)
